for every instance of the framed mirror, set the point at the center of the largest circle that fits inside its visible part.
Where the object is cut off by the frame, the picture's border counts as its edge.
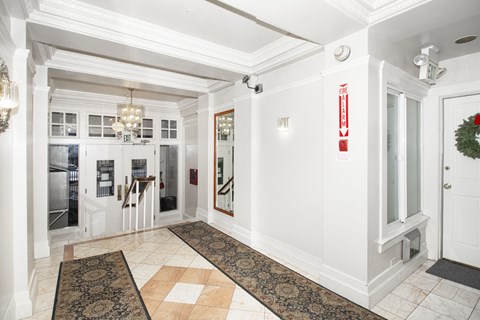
(224, 155)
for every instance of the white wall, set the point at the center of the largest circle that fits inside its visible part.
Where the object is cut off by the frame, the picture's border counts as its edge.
(289, 165)
(190, 125)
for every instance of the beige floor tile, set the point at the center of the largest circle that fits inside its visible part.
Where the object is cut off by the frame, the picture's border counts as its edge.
(201, 262)
(41, 315)
(47, 285)
(410, 293)
(270, 316)
(241, 300)
(214, 296)
(136, 256)
(168, 248)
(422, 313)
(387, 315)
(144, 271)
(423, 283)
(208, 313)
(156, 290)
(180, 261)
(185, 293)
(475, 315)
(197, 276)
(446, 307)
(186, 250)
(152, 305)
(245, 315)
(396, 305)
(169, 274)
(44, 301)
(218, 278)
(157, 258)
(148, 246)
(173, 311)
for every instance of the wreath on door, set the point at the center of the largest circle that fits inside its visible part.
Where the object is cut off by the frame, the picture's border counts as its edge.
(467, 137)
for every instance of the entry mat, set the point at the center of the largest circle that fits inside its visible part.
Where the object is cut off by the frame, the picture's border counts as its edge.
(456, 272)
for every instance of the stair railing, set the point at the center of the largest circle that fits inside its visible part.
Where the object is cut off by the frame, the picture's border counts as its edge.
(139, 195)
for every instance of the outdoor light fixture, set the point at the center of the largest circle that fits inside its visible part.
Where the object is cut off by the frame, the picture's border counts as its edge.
(427, 60)
(282, 124)
(8, 96)
(130, 116)
(258, 88)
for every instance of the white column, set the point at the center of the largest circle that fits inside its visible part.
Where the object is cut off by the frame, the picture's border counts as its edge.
(22, 192)
(40, 167)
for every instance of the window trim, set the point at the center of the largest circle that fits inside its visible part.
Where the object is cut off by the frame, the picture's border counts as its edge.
(64, 124)
(393, 232)
(102, 125)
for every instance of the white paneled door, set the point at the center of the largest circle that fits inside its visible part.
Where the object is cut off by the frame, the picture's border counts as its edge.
(109, 171)
(461, 189)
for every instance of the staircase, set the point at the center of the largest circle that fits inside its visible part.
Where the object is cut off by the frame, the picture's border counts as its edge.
(135, 199)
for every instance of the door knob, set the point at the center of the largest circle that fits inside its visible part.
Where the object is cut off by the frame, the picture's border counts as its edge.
(447, 186)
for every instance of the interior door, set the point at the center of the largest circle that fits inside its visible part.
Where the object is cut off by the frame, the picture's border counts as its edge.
(139, 161)
(103, 197)
(461, 193)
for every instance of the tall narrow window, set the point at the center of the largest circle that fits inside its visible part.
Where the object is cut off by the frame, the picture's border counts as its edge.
(403, 157)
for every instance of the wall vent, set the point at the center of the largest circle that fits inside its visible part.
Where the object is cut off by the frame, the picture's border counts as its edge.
(411, 245)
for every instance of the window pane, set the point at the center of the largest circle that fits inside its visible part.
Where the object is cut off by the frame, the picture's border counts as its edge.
(94, 120)
(108, 121)
(57, 117)
(147, 133)
(173, 124)
(164, 134)
(109, 133)
(70, 118)
(57, 130)
(392, 158)
(173, 134)
(164, 124)
(71, 131)
(94, 131)
(105, 178)
(147, 123)
(413, 158)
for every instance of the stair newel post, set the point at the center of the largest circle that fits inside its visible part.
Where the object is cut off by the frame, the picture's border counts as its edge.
(137, 188)
(153, 204)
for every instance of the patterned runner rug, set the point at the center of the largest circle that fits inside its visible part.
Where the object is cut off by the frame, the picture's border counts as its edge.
(285, 292)
(98, 287)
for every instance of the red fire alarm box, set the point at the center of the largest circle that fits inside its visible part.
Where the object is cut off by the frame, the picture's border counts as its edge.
(343, 145)
(194, 176)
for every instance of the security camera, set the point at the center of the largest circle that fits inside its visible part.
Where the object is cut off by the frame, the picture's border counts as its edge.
(258, 88)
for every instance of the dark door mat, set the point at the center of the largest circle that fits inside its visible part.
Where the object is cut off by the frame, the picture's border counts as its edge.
(456, 272)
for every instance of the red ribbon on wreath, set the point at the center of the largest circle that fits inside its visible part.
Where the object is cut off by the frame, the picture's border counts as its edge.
(477, 120)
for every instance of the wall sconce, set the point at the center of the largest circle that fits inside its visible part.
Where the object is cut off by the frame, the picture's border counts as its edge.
(8, 96)
(258, 88)
(427, 60)
(282, 124)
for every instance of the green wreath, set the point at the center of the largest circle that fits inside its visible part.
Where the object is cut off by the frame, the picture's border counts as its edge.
(466, 137)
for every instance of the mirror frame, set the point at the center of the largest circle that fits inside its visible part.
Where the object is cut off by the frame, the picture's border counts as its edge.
(218, 114)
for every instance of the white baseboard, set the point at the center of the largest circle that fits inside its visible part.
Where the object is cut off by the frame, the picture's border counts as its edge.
(382, 285)
(42, 249)
(23, 304)
(10, 311)
(299, 259)
(202, 214)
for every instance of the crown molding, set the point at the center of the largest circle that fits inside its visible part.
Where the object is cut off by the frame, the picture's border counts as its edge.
(282, 51)
(373, 11)
(78, 17)
(82, 63)
(5, 38)
(68, 97)
(215, 86)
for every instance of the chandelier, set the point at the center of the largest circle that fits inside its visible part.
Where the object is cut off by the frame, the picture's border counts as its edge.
(129, 116)
(8, 96)
(225, 124)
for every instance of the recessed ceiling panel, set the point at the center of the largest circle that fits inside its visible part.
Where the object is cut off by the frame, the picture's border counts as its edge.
(200, 19)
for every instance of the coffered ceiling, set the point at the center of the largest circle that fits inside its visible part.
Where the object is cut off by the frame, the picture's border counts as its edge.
(176, 50)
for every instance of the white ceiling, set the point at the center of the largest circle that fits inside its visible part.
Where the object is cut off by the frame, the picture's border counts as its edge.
(171, 50)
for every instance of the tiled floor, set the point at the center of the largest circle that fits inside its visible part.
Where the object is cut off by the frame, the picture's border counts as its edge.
(177, 283)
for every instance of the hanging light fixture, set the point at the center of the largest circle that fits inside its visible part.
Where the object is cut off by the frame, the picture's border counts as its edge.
(129, 116)
(8, 96)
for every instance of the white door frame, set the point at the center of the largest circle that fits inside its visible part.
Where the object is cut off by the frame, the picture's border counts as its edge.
(441, 221)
